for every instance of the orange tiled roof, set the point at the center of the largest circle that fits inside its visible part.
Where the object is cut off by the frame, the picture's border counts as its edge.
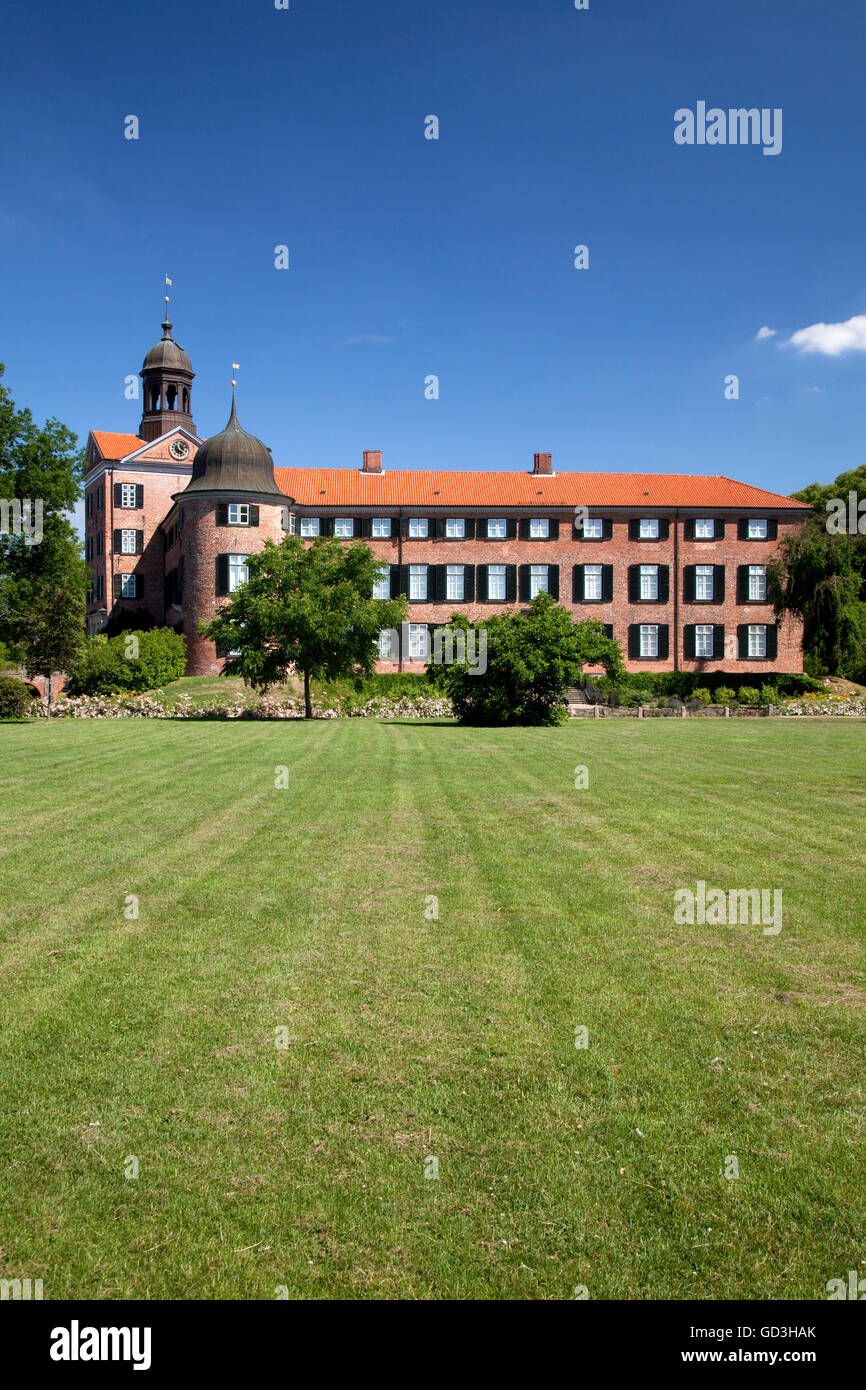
(347, 487)
(116, 446)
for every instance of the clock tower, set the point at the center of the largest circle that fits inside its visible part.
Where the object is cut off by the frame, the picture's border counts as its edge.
(167, 376)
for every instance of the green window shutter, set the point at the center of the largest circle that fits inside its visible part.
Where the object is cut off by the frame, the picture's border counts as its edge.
(523, 528)
(470, 528)
(118, 494)
(772, 530)
(718, 641)
(469, 583)
(139, 495)
(634, 528)
(718, 583)
(742, 583)
(523, 571)
(222, 514)
(664, 583)
(116, 580)
(577, 583)
(772, 642)
(719, 528)
(437, 576)
(608, 630)
(326, 526)
(139, 542)
(118, 542)
(743, 640)
(688, 583)
(395, 580)
(634, 641)
(553, 581)
(481, 582)
(743, 528)
(633, 583)
(554, 530)
(607, 529)
(607, 583)
(254, 515)
(664, 528)
(689, 641)
(510, 583)
(664, 642)
(222, 575)
(689, 528)
(511, 528)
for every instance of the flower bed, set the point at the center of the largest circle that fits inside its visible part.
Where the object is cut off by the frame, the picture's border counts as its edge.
(146, 707)
(826, 704)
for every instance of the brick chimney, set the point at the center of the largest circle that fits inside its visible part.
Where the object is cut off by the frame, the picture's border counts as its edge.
(372, 461)
(543, 463)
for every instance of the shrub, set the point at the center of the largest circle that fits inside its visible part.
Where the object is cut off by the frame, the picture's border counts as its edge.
(131, 661)
(701, 695)
(16, 698)
(724, 695)
(748, 695)
(770, 696)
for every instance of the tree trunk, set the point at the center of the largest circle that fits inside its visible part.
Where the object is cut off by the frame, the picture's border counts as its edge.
(308, 705)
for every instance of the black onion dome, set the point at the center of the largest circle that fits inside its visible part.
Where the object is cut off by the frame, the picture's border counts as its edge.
(233, 461)
(167, 354)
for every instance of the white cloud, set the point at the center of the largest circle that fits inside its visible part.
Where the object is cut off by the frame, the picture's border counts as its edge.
(831, 339)
(763, 333)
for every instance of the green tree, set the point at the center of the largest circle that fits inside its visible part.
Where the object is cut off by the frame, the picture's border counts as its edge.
(42, 584)
(305, 609)
(532, 658)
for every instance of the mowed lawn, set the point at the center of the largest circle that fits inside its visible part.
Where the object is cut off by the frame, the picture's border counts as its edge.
(310, 909)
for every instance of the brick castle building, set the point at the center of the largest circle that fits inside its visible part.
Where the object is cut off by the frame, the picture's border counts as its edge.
(673, 565)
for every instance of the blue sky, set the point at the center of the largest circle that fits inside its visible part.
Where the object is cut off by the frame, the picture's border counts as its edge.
(411, 257)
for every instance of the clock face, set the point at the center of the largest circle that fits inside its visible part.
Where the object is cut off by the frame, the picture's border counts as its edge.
(178, 448)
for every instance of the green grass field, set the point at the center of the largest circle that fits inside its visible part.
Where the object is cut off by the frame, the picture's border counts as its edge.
(308, 909)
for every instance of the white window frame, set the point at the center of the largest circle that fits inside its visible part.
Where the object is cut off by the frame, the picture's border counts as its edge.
(238, 513)
(344, 527)
(236, 563)
(757, 645)
(649, 583)
(419, 578)
(382, 582)
(596, 533)
(497, 575)
(497, 528)
(757, 528)
(419, 646)
(310, 526)
(419, 528)
(127, 579)
(455, 583)
(758, 580)
(455, 528)
(539, 528)
(385, 644)
(380, 527)
(649, 640)
(593, 579)
(125, 490)
(705, 576)
(704, 535)
(127, 541)
(703, 638)
(539, 580)
(648, 528)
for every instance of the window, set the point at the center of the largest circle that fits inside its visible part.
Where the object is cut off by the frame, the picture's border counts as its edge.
(100, 589)
(382, 583)
(757, 639)
(311, 526)
(380, 526)
(90, 592)
(385, 643)
(99, 498)
(705, 528)
(239, 514)
(89, 504)
(496, 581)
(455, 528)
(649, 639)
(128, 586)
(99, 542)
(419, 642)
(704, 639)
(418, 582)
(593, 528)
(497, 528)
(127, 542)
(649, 581)
(238, 572)
(539, 528)
(704, 582)
(758, 582)
(88, 548)
(344, 527)
(757, 530)
(648, 529)
(127, 494)
(537, 580)
(418, 528)
(455, 584)
(592, 582)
